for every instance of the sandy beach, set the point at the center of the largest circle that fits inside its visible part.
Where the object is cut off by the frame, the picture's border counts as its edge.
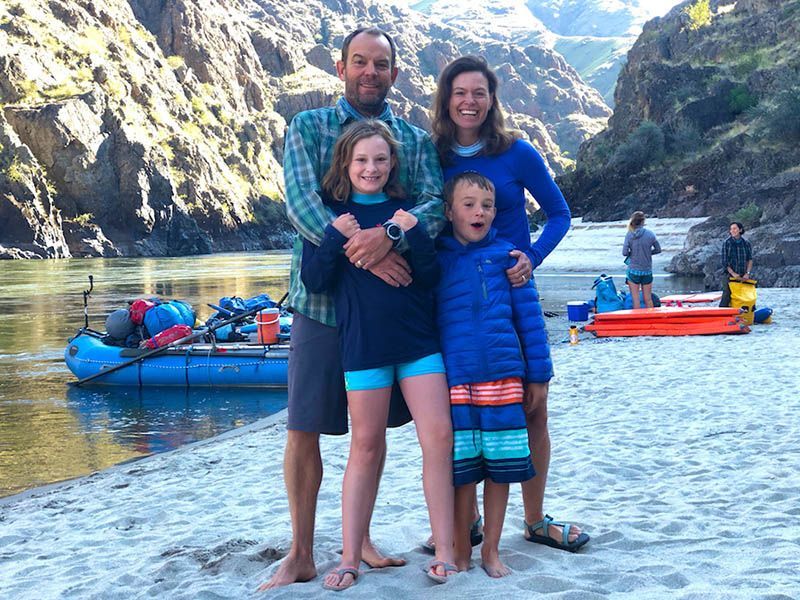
(678, 455)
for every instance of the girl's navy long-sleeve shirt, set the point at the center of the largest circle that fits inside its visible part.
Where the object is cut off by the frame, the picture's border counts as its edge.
(378, 324)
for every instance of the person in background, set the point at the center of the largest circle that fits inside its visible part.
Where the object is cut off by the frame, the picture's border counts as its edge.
(469, 131)
(317, 399)
(638, 249)
(737, 260)
(386, 333)
(492, 336)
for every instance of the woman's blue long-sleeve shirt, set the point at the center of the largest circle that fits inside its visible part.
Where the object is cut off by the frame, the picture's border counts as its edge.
(512, 172)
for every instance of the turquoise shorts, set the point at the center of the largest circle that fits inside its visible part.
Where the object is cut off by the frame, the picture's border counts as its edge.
(383, 377)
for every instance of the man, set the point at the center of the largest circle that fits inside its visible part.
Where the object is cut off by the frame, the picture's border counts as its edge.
(737, 260)
(317, 401)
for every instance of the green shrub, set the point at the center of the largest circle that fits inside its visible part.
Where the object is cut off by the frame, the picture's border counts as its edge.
(269, 212)
(175, 61)
(780, 118)
(749, 215)
(699, 14)
(740, 99)
(644, 147)
(83, 219)
(683, 139)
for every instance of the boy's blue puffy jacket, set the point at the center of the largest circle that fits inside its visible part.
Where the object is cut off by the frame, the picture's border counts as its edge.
(488, 329)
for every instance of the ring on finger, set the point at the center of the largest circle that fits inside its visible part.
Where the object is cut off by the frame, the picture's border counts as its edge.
(359, 264)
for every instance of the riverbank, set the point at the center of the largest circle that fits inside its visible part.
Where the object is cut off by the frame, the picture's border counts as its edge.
(677, 455)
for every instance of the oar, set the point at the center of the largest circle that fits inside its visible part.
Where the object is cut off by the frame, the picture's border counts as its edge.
(155, 351)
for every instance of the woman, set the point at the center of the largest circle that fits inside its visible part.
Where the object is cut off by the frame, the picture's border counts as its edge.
(639, 246)
(470, 135)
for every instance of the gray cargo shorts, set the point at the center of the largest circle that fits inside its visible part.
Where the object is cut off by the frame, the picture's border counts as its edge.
(317, 398)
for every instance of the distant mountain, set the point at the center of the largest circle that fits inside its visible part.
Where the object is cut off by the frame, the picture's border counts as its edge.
(155, 127)
(592, 35)
(706, 124)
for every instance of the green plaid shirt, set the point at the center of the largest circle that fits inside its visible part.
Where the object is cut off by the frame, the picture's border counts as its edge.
(307, 157)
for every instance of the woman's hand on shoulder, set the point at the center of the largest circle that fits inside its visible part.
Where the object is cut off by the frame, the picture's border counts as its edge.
(404, 219)
(347, 225)
(520, 273)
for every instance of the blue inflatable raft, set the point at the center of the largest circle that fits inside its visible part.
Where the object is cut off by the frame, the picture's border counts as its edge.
(197, 364)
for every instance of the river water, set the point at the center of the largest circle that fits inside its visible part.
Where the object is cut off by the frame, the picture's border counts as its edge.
(50, 431)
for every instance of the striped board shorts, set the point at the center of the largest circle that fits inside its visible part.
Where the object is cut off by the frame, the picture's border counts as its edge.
(489, 432)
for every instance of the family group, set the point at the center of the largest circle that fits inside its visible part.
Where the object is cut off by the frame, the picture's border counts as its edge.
(413, 296)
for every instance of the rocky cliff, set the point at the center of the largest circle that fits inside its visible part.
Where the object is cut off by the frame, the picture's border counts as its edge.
(592, 35)
(706, 123)
(155, 127)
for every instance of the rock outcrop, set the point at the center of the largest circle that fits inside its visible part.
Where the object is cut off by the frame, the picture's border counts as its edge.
(706, 123)
(155, 127)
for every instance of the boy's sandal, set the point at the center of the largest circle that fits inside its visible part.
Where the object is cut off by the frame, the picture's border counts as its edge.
(475, 537)
(476, 532)
(340, 573)
(545, 539)
(430, 570)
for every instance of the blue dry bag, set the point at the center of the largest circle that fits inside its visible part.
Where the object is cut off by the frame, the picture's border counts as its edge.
(606, 296)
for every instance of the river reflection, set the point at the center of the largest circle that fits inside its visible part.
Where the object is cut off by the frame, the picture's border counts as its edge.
(50, 431)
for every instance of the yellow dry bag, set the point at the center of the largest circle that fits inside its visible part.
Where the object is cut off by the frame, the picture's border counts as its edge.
(743, 296)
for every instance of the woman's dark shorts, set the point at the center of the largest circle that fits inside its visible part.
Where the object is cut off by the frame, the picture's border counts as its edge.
(317, 398)
(638, 278)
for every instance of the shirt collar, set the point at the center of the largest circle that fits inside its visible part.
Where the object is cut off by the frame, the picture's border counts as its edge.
(345, 112)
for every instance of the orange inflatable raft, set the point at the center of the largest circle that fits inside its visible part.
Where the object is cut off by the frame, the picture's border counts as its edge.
(668, 320)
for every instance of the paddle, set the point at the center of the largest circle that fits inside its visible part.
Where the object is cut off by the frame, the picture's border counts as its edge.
(154, 351)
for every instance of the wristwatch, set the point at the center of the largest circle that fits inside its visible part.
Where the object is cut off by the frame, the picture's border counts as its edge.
(394, 232)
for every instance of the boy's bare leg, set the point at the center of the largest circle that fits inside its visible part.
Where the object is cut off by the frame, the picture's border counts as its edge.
(495, 500)
(302, 474)
(465, 497)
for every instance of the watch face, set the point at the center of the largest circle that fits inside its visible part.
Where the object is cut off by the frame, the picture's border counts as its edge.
(393, 231)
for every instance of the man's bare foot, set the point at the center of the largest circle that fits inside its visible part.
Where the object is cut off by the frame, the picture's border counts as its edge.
(293, 569)
(375, 559)
(492, 564)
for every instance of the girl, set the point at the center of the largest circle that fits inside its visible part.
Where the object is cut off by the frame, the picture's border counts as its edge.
(385, 333)
(639, 246)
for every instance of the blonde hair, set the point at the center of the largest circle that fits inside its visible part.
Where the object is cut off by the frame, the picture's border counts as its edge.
(336, 181)
(637, 220)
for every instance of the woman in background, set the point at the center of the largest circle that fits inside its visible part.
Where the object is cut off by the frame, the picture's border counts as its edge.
(638, 248)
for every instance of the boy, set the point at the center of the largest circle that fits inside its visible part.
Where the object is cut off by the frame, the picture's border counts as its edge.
(494, 341)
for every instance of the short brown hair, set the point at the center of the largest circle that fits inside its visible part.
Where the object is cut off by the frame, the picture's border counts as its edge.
(470, 178)
(374, 31)
(336, 181)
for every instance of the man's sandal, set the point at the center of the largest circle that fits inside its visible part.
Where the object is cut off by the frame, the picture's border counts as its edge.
(340, 573)
(545, 539)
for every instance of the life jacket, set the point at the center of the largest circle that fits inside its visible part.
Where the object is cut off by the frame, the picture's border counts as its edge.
(168, 336)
